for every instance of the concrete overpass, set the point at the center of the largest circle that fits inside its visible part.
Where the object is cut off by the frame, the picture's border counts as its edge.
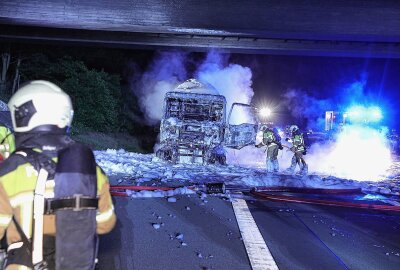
(354, 28)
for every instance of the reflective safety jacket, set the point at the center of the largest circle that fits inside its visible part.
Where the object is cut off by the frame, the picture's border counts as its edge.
(17, 183)
(7, 142)
(269, 138)
(298, 143)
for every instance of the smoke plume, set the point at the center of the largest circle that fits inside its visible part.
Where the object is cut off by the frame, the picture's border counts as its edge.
(231, 80)
(306, 108)
(165, 72)
(169, 69)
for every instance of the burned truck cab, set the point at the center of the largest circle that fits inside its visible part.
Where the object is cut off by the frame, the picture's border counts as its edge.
(193, 127)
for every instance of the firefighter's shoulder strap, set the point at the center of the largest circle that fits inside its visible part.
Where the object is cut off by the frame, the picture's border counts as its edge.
(46, 168)
(22, 254)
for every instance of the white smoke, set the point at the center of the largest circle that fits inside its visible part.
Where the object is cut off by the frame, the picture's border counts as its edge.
(232, 81)
(164, 74)
(168, 70)
(359, 152)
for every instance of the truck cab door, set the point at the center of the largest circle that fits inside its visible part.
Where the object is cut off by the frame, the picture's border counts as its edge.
(241, 127)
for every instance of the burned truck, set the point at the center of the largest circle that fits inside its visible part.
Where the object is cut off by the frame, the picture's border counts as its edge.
(194, 127)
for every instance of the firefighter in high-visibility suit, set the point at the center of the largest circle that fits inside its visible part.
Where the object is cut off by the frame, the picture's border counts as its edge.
(299, 150)
(7, 142)
(273, 143)
(41, 115)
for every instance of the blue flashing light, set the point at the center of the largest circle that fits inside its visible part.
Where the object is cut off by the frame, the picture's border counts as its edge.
(356, 113)
(364, 114)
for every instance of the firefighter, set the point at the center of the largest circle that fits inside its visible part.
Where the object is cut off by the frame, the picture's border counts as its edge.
(299, 149)
(7, 142)
(272, 141)
(41, 116)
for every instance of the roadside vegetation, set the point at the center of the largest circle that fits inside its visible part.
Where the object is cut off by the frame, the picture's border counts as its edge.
(106, 113)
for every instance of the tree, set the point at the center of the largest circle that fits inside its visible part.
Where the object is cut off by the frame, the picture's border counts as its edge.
(9, 75)
(95, 94)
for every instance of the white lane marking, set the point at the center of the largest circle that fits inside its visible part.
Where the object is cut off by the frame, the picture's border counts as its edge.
(257, 250)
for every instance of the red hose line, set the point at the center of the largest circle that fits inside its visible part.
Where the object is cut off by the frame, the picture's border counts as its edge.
(139, 188)
(118, 194)
(282, 198)
(309, 190)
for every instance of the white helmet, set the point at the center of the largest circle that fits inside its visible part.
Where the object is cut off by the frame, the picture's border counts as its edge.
(40, 103)
(293, 128)
(263, 127)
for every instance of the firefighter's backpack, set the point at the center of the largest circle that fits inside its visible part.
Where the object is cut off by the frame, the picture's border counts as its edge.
(74, 204)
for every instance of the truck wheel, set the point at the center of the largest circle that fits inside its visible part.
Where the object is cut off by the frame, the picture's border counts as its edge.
(165, 154)
(222, 160)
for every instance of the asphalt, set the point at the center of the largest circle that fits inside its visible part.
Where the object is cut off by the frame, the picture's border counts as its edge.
(210, 233)
(302, 236)
(299, 236)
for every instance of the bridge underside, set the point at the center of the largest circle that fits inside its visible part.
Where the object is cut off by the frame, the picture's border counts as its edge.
(338, 28)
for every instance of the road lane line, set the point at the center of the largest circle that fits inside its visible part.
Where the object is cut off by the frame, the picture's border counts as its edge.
(259, 255)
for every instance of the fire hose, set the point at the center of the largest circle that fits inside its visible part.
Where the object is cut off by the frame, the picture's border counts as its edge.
(270, 194)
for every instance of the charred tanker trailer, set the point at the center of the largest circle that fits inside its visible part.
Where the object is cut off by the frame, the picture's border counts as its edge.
(194, 127)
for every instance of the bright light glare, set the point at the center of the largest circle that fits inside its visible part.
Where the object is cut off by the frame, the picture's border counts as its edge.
(265, 112)
(356, 113)
(359, 153)
(364, 114)
(375, 113)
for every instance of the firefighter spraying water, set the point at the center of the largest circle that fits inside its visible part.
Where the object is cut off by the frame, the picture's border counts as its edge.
(299, 150)
(272, 140)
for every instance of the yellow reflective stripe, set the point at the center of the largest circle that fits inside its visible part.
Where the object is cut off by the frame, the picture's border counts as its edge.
(21, 198)
(103, 217)
(5, 220)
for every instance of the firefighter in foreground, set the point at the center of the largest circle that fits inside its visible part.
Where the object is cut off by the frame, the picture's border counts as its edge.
(299, 149)
(272, 141)
(54, 199)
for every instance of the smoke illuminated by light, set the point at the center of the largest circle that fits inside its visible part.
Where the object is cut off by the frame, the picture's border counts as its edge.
(168, 70)
(364, 114)
(359, 153)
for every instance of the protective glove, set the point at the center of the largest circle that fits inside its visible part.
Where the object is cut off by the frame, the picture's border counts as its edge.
(287, 139)
(304, 153)
(280, 147)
